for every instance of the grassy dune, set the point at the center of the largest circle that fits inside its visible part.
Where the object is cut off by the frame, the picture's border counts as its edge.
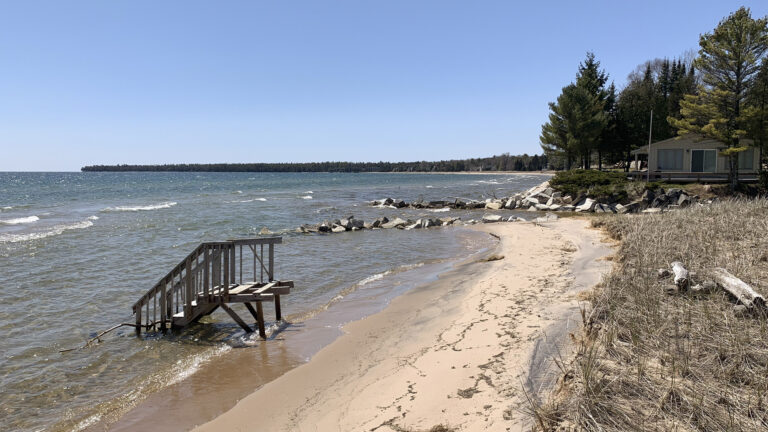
(652, 361)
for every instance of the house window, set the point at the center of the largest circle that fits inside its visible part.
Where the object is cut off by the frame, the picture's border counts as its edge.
(670, 159)
(747, 159)
(703, 160)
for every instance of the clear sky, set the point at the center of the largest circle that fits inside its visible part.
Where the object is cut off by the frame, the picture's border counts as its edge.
(106, 82)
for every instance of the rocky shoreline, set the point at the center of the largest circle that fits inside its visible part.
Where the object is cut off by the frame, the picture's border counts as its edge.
(541, 198)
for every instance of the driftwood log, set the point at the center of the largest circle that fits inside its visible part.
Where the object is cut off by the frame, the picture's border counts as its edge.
(738, 288)
(681, 275)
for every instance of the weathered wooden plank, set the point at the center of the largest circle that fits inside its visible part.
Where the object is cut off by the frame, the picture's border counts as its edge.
(188, 290)
(237, 319)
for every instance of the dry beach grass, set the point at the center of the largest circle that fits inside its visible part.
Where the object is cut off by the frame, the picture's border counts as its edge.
(652, 361)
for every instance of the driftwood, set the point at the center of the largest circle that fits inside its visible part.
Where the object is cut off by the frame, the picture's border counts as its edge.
(738, 289)
(681, 275)
(97, 338)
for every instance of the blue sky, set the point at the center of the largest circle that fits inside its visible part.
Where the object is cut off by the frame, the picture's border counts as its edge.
(105, 82)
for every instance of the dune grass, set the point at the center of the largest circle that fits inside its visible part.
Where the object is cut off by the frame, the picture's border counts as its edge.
(651, 361)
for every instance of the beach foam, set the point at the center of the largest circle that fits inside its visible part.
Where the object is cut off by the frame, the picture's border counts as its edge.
(18, 221)
(163, 205)
(55, 230)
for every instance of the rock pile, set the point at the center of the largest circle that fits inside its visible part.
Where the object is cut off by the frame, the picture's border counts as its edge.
(544, 198)
(352, 224)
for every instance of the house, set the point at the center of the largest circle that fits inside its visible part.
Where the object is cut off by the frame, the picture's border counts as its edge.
(695, 158)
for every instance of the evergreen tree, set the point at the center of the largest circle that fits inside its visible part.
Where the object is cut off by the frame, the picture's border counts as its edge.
(729, 59)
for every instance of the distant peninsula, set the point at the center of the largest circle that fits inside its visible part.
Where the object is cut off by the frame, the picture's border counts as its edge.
(503, 162)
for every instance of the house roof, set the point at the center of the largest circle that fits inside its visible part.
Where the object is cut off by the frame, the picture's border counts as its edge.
(686, 140)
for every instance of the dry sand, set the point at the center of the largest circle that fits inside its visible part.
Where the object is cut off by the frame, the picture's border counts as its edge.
(457, 352)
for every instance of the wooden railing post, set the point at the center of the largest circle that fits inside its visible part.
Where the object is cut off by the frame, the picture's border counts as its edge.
(232, 267)
(138, 319)
(271, 262)
(188, 290)
(206, 274)
(225, 282)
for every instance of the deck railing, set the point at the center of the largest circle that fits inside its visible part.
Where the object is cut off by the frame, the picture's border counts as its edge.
(205, 276)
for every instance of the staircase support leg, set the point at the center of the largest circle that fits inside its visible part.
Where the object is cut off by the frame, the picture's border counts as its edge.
(252, 311)
(277, 307)
(237, 319)
(260, 320)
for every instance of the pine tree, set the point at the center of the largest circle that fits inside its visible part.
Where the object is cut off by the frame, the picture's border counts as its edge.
(729, 59)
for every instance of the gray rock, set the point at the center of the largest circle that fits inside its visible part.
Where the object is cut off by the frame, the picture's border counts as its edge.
(684, 200)
(569, 208)
(557, 195)
(567, 199)
(490, 218)
(338, 229)
(587, 205)
(397, 223)
(355, 224)
(604, 208)
(265, 231)
(531, 200)
(399, 204)
(493, 205)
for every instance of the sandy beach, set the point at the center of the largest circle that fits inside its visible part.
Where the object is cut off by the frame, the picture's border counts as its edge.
(455, 353)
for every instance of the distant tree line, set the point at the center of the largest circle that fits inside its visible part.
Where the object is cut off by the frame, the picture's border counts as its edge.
(721, 93)
(504, 162)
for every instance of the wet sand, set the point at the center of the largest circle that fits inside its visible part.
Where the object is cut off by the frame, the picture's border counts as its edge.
(457, 352)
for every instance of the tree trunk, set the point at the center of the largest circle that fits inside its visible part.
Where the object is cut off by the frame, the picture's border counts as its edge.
(599, 160)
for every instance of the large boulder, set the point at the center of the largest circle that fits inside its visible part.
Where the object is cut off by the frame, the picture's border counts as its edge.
(397, 223)
(684, 200)
(494, 205)
(531, 200)
(491, 218)
(604, 208)
(648, 196)
(445, 221)
(400, 204)
(586, 206)
(541, 207)
(338, 229)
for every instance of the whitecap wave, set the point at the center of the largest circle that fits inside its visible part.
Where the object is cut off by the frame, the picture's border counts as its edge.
(163, 205)
(19, 221)
(94, 217)
(308, 192)
(52, 231)
(307, 197)
(441, 210)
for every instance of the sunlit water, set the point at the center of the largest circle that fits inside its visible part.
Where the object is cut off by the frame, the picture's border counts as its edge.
(78, 249)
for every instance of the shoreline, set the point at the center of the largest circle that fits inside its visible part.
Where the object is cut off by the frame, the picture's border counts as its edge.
(220, 382)
(490, 320)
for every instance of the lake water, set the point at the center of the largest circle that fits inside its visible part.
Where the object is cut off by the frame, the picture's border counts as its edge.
(78, 249)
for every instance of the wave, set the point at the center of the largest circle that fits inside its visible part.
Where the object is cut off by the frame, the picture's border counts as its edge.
(249, 200)
(163, 205)
(441, 210)
(306, 197)
(308, 192)
(18, 221)
(54, 230)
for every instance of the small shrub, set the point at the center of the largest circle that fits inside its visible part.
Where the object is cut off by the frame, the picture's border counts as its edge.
(600, 185)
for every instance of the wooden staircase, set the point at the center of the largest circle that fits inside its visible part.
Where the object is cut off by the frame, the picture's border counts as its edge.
(211, 276)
